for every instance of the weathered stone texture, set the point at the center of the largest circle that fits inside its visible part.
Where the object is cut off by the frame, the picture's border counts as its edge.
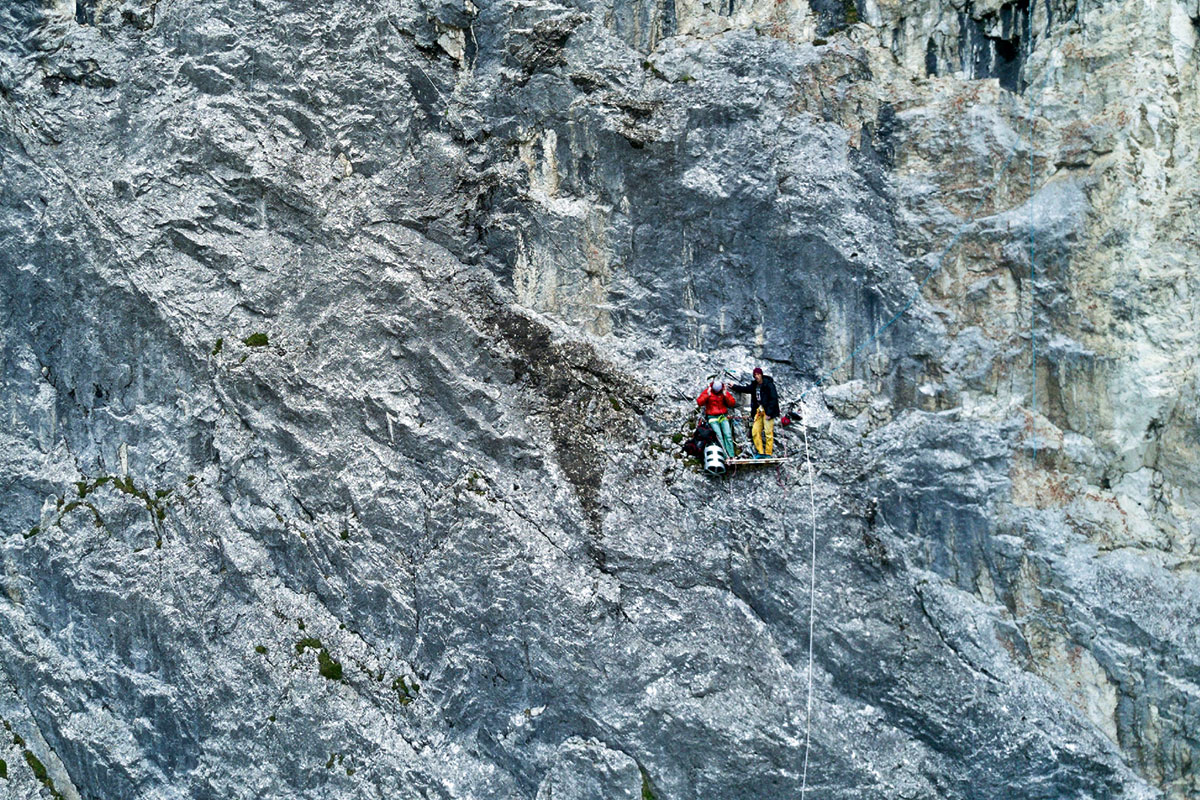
(344, 348)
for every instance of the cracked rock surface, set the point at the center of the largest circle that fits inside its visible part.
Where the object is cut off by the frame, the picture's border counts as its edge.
(346, 349)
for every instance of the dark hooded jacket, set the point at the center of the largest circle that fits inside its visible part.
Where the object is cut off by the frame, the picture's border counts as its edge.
(761, 394)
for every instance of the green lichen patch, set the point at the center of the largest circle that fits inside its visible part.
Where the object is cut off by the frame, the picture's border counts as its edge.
(654, 70)
(35, 764)
(217, 347)
(309, 642)
(405, 691)
(39, 772)
(647, 788)
(97, 520)
(156, 502)
(477, 483)
(39, 769)
(653, 448)
(328, 667)
(255, 340)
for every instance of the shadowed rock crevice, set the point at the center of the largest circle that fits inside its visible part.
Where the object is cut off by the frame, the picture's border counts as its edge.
(588, 406)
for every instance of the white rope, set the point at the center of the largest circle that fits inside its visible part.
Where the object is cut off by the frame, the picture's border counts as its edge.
(812, 590)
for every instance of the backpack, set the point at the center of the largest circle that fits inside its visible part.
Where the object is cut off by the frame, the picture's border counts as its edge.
(703, 437)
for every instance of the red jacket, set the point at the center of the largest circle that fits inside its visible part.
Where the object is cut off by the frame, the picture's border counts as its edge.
(716, 404)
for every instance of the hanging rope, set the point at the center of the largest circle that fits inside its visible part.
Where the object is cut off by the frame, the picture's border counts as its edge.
(1033, 102)
(909, 302)
(812, 593)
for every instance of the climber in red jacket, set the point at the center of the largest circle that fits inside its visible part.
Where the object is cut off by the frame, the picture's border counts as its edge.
(717, 402)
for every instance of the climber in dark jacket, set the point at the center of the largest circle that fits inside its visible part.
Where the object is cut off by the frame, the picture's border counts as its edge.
(764, 408)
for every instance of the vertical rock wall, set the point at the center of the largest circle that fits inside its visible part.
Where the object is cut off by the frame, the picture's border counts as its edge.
(346, 350)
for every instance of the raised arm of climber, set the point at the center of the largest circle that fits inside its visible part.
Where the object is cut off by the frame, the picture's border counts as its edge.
(717, 401)
(764, 408)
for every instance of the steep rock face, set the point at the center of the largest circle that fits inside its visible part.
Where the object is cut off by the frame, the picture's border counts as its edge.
(344, 352)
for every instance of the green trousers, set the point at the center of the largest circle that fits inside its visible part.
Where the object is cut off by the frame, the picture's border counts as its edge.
(720, 426)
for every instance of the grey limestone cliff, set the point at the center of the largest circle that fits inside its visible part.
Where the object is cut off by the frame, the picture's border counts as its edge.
(346, 348)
